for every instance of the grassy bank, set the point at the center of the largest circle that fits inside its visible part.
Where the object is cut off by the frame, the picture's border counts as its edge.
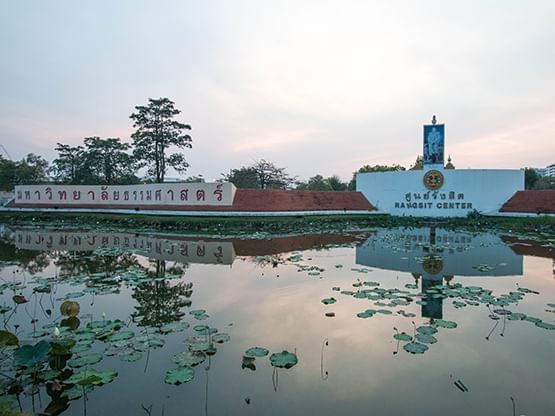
(273, 225)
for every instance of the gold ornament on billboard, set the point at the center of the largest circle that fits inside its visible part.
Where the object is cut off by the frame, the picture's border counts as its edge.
(433, 180)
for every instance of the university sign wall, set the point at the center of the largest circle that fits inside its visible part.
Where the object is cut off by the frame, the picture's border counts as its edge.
(212, 194)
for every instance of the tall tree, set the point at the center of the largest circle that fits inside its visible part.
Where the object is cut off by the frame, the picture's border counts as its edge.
(106, 161)
(261, 175)
(242, 178)
(530, 178)
(68, 166)
(157, 131)
(29, 170)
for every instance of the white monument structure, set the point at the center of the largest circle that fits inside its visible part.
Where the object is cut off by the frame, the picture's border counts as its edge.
(438, 190)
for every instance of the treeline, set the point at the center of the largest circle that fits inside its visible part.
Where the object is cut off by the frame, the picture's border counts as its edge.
(535, 181)
(109, 161)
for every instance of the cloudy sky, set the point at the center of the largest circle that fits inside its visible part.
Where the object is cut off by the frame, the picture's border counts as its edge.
(315, 86)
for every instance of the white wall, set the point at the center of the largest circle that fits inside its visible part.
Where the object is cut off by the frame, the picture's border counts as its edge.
(217, 194)
(463, 191)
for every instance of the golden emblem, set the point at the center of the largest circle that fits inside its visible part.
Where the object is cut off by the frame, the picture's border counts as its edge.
(433, 264)
(433, 179)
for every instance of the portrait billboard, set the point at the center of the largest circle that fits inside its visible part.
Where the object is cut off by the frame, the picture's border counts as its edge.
(434, 144)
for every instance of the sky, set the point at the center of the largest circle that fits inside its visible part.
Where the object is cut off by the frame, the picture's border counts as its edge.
(318, 87)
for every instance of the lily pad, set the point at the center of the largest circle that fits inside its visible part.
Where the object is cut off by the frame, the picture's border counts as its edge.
(32, 355)
(121, 336)
(189, 358)
(403, 336)
(221, 338)
(426, 330)
(329, 301)
(131, 357)
(415, 348)
(92, 377)
(445, 324)
(179, 375)
(545, 325)
(8, 339)
(89, 359)
(284, 359)
(426, 339)
(256, 352)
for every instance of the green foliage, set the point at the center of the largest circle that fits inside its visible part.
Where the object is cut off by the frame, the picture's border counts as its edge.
(374, 168)
(319, 183)
(530, 178)
(31, 169)
(544, 183)
(261, 175)
(157, 131)
(32, 355)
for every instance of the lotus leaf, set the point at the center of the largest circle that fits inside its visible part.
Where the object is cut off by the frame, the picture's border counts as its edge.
(328, 301)
(131, 357)
(384, 311)
(221, 338)
(179, 375)
(189, 358)
(426, 339)
(445, 324)
(70, 308)
(415, 348)
(92, 377)
(89, 359)
(76, 392)
(121, 336)
(174, 327)
(402, 337)
(256, 352)
(545, 325)
(284, 359)
(8, 339)
(426, 330)
(516, 316)
(32, 355)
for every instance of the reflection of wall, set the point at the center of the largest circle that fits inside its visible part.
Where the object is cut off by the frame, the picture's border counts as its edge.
(150, 194)
(460, 253)
(205, 252)
(463, 191)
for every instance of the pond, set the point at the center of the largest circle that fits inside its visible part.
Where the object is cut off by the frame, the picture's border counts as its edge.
(385, 322)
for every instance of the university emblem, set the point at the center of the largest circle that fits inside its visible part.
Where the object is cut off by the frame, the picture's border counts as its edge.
(433, 264)
(433, 180)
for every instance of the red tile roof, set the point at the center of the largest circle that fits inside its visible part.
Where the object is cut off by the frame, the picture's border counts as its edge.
(254, 200)
(531, 201)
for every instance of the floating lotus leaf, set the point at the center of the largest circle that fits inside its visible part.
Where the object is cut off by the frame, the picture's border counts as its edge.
(256, 352)
(76, 392)
(19, 299)
(4, 309)
(48, 375)
(121, 336)
(328, 301)
(189, 358)
(415, 348)
(32, 355)
(81, 346)
(73, 295)
(131, 357)
(221, 338)
(70, 308)
(384, 311)
(174, 327)
(445, 324)
(368, 313)
(83, 334)
(516, 316)
(402, 337)
(8, 339)
(426, 339)
(204, 330)
(179, 375)
(199, 314)
(62, 346)
(370, 283)
(426, 330)
(284, 359)
(532, 319)
(411, 286)
(551, 305)
(92, 377)
(150, 342)
(545, 325)
(89, 359)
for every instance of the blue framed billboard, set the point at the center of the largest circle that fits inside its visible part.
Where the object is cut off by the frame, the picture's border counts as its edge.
(434, 144)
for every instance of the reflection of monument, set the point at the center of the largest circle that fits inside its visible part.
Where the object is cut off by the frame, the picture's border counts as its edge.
(435, 256)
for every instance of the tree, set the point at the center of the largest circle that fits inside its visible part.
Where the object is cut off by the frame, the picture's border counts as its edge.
(68, 166)
(156, 132)
(106, 162)
(375, 168)
(530, 178)
(29, 170)
(261, 175)
(242, 178)
(545, 182)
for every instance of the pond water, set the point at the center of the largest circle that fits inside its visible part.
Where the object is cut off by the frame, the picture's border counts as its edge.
(384, 322)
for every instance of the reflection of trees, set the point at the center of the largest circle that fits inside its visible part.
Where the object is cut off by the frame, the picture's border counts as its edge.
(72, 263)
(160, 302)
(31, 261)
